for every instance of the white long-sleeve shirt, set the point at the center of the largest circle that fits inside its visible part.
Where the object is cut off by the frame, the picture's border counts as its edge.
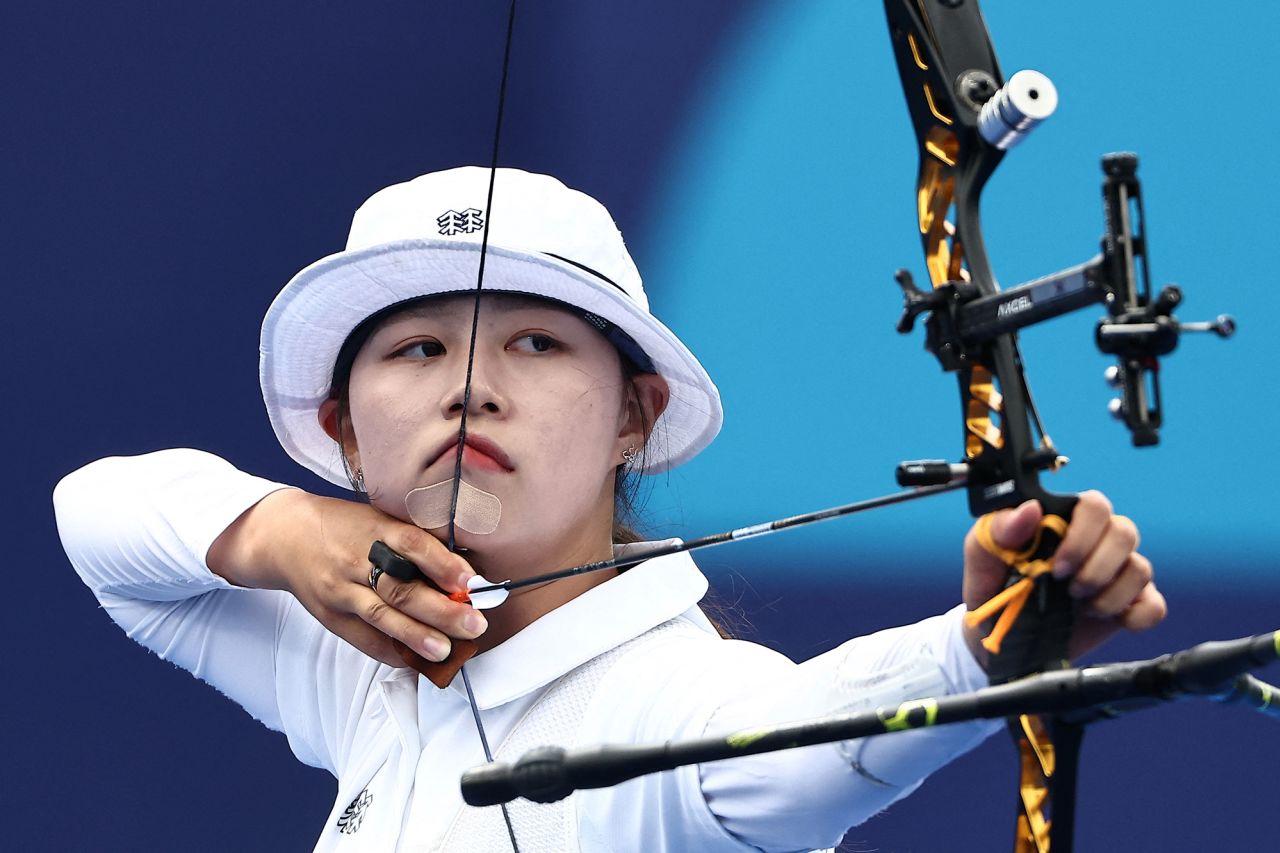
(632, 660)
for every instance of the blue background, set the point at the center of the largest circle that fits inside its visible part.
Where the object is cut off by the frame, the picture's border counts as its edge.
(168, 166)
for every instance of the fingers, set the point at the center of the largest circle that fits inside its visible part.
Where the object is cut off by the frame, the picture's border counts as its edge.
(447, 570)
(985, 568)
(425, 638)
(416, 612)
(1108, 576)
(1110, 557)
(431, 616)
(1013, 528)
(1145, 610)
(424, 604)
(1091, 521)
(1110, 580)
(1121, 591)
(327, 569)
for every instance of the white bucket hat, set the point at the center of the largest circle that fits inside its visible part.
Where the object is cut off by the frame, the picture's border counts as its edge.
(422, 238)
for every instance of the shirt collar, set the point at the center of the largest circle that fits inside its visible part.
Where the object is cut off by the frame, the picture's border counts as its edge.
(602, 618)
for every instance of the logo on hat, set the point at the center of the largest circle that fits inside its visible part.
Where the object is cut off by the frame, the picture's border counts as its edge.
(350, 819)
(453, 222)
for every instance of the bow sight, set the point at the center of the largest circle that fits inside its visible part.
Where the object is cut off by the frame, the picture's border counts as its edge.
(1137, 329)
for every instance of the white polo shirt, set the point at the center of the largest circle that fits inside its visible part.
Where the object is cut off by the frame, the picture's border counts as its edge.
(632, 660)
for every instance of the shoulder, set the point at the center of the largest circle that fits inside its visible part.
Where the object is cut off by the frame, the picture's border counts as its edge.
(690, 641)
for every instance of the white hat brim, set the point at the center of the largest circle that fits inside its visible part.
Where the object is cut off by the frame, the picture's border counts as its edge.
(313, 315)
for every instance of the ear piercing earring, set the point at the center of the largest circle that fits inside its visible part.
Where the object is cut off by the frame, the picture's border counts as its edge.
(629, 455)
(359, 480)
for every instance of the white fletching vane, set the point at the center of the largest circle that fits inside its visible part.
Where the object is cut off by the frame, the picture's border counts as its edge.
(485, 600)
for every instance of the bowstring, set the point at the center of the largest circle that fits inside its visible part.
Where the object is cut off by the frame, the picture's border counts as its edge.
(488, 755)
(466, 390)
(484, 252)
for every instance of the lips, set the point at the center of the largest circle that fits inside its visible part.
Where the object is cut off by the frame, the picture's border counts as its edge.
(478, 452)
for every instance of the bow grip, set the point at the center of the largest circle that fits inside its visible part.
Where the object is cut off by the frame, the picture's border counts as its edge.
(1035, 609)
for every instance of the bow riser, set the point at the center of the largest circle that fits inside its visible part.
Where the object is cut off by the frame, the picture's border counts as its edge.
(955, 163)
(1001, 452)
(949, 71)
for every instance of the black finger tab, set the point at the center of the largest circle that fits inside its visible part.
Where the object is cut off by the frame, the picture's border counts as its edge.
(392, 563)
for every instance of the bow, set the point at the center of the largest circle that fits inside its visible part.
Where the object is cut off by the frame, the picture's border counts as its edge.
(966, 116)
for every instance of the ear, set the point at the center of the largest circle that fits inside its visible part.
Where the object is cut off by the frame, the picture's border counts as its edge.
(647, 398)
(339, 429)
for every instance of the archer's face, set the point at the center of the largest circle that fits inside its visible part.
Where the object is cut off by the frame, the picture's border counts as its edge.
(549, 417)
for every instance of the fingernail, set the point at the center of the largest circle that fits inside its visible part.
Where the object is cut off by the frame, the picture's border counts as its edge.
(463, 578)
(1061, 568)
(437, 650)
(475, 623)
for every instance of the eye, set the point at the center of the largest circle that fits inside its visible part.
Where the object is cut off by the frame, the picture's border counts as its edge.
(534, 342)
(421, 350)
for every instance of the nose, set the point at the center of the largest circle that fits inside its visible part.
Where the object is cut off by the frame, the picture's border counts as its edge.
(480, 395)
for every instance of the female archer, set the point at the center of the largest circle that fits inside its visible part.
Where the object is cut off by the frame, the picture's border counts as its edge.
(494, 433)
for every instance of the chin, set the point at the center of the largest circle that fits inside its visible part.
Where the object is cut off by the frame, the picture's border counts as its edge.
(515, 550)
(502, 537)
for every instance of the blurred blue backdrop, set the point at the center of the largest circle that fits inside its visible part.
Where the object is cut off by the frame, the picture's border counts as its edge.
(168, 166)
(790, 203)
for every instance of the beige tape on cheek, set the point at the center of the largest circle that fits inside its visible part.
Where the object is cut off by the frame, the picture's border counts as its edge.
(478, 511)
